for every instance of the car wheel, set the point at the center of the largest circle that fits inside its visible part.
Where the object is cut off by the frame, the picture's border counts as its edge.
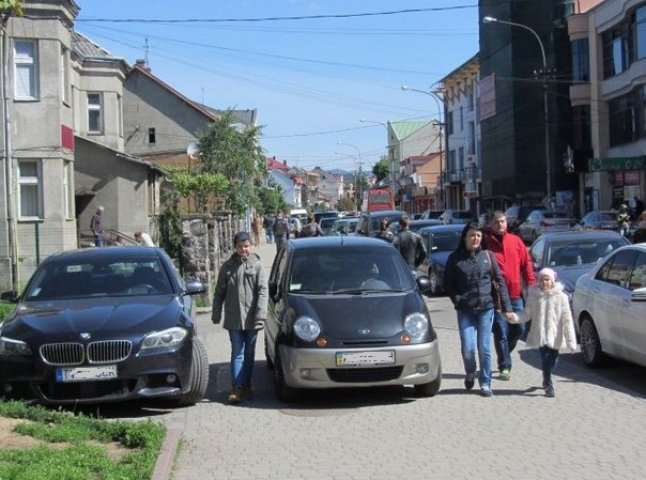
(284, 393)
(433, 290)
(198, 377)
(269, 362)
(431, 388)
(591, 344)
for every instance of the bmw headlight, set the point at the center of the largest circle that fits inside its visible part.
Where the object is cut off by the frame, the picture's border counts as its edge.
(11, 347)
(164, 339)
(416, 325)
(307, 329)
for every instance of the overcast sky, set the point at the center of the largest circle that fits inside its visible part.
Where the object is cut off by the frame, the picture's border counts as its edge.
(311, 79)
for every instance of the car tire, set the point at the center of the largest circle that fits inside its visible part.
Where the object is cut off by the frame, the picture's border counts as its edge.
(431, 388)
(591, 351)
(269, 362)
(284, 393)
(198, 378)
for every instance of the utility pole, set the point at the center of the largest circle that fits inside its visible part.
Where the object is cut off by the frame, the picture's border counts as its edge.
(7, 157)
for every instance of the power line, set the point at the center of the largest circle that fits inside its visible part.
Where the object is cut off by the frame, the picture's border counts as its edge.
(273, 19)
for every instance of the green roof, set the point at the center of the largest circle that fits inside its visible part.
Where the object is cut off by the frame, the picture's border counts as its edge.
(406, 129)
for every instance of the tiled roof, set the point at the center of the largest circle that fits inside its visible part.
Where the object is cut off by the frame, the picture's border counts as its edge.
(86, 48)
(404, 130)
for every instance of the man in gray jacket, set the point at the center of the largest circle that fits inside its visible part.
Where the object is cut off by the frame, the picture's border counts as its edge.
(241, 289)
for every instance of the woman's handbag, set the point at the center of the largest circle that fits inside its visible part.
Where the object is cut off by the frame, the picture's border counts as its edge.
(495, 288)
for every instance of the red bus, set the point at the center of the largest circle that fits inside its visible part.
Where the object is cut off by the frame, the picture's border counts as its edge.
(380, 199)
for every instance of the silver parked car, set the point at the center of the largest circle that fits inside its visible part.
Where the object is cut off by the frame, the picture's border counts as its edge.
(610, 308)
(347, 312)
(542, 221)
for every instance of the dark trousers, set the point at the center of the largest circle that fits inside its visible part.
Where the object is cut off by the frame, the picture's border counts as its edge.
(549, 360)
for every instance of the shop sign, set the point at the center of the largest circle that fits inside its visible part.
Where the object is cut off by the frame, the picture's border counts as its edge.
(618, 163)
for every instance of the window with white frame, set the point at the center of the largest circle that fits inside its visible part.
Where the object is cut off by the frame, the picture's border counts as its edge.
(94, 113)
(29, 190)
(25, 54)
(65, 75)
(68, 190)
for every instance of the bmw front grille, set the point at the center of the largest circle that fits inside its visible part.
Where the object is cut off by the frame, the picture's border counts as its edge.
(105, 351)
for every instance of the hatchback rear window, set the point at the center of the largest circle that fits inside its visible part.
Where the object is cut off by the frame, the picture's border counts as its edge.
(556, 215)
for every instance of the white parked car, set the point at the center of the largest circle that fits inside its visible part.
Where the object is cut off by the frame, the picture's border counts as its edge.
(609, 307)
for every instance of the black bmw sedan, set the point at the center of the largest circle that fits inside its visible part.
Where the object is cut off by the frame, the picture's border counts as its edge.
(102, 325)
(347, 312)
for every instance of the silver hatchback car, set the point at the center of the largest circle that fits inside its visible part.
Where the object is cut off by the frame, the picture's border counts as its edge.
(347, 311)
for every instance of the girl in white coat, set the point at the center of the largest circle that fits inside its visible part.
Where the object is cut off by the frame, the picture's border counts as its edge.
(552, 326)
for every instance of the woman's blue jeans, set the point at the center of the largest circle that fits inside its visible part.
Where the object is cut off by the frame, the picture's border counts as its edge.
(475, 328)
(243, 353)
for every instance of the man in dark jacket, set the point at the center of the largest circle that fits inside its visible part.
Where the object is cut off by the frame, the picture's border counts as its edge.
(281, 230)
(410, 245)
(241, 290)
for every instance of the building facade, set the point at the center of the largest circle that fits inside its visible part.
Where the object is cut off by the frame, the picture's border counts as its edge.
(525, 114)
(608, 96)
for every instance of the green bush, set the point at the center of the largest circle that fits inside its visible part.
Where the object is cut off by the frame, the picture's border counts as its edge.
(5, 309)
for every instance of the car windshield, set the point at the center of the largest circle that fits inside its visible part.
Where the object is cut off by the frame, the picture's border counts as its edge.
(348, 270)
(466, 214)
(445, 241)
(63, 279)
(580, 252)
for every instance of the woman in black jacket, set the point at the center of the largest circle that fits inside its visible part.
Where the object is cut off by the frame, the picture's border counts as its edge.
(467, 280)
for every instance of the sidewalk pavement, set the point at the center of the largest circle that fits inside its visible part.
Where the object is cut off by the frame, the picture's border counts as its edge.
(588, 431)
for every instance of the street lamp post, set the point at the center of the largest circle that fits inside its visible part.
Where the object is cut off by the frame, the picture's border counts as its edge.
(548, 163)
(439, 101)
(357, 183)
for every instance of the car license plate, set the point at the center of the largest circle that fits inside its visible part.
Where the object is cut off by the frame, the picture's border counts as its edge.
(85, 374)
(359, 359)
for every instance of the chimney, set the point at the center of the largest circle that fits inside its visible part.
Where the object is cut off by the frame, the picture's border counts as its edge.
(142, 64)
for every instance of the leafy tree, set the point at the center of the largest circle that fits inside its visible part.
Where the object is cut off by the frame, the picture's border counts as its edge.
(380, 169)
(202, 187)
(346, 204)
(11, 7)
(170, 225)
(271, 200)
(234, 153)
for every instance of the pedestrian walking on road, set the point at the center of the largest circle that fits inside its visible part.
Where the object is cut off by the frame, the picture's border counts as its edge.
(552, 326)
(268, 224)
(241, 289)
(311, 228)
(623, 219)
(281, 231)
(256, 228)
(96, 225)
(467, 280)
(384, 231)
(410, 245)
(516, 267)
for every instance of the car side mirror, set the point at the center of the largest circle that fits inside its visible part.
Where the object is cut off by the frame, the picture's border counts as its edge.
(10, 296)
(193, 287)
(423, 283)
